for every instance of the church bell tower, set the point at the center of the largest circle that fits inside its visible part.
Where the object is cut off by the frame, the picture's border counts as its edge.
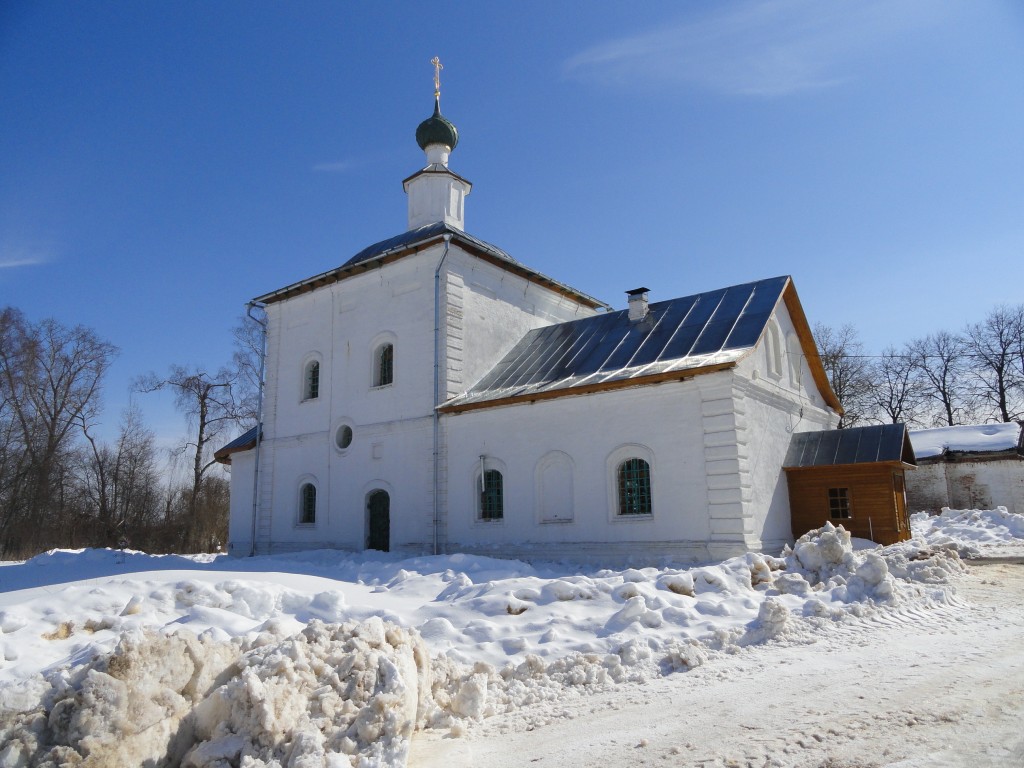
(435, 193)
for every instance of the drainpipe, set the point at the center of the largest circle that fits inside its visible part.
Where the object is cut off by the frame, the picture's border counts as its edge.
(259, 414)
(437, 386)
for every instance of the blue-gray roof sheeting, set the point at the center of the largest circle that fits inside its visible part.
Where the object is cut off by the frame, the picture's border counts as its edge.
(854, 445)
(679, 334)
(243, 442)
(426, 232)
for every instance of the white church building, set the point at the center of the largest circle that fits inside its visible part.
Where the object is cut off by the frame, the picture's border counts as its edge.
(433, 394)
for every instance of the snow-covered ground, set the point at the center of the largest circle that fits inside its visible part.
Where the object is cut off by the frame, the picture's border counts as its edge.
(334, 659)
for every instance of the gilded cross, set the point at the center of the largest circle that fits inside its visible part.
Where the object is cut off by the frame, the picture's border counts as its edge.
(437, 76)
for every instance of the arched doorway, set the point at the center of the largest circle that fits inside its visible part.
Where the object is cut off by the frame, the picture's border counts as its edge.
(378, 511)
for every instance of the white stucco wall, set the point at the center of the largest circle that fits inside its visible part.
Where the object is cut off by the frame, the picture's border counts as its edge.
(778, 396)
(240, 505)
(716, 446)
(497, 309)
(715, 443)
(484, 312)
(593, 433)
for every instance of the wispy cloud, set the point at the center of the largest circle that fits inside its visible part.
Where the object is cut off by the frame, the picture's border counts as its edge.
(337, 167)
(13, 263)
(763, 49)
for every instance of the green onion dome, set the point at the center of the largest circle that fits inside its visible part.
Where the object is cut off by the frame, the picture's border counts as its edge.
(437, 129)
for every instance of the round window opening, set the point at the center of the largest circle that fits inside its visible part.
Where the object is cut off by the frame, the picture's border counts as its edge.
(344, 436)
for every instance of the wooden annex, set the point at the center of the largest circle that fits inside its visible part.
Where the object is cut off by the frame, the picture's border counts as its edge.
(851, 477)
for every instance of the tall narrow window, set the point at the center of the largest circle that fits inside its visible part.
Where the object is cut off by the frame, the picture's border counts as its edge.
(773, 349)
(492, 504)
(839, 504)
(307, 504)
(311, 387)
(796, 359)
(634, 481)
(385, 373)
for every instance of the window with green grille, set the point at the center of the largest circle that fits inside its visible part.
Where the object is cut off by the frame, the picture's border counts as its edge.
(312, 386)
(634, 487)
(385, 365)
(491, 496)
(307, 511)
(839, 504)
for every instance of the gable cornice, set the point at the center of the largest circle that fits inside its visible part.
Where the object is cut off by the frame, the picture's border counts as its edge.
(464, 242)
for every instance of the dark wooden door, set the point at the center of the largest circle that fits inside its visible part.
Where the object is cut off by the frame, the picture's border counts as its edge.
(379, 509)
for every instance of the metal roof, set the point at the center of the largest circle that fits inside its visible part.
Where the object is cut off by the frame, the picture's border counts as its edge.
(854, 445)
(422, 237)
(244, 442)
(426, 232)
(716, 328)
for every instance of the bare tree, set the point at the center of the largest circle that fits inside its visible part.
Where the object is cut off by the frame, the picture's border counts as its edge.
(122, 485)
(50, 378)
(245, 366)
(994, 347)
(209, 404)
(941, 364)
(849, 371)
(897, 391)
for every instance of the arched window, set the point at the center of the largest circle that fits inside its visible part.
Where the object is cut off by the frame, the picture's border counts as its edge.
(384, 362)
(492, 502)
(634, 485)
(307, 504)
(311, 381)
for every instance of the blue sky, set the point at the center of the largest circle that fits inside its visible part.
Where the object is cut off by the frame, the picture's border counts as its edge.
(162, 163)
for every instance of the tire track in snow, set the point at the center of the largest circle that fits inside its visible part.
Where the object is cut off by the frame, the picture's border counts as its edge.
(918, 687)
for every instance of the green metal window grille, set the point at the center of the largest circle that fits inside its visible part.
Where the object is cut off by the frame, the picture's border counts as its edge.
(634, 487)
(386, 365)
(312, 380)
(307, 514)
(839, 503)
(491, 496)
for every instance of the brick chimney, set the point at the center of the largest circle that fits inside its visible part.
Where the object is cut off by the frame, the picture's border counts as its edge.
(637, 304)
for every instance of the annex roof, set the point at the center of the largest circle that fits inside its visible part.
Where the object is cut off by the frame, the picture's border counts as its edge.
(244, 442)
(968, 439)
(677, 339)
(853, 445)
(413, 241)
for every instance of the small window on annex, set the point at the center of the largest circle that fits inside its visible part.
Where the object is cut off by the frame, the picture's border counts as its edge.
(311, 381)
(634, 484)
(839, 504)
(307, 504)
(492, 503)
(384, 365)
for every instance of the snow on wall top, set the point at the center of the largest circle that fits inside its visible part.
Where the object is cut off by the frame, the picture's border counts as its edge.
(970, 438)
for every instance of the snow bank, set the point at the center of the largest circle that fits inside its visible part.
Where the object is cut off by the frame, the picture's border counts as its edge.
(972, 532)
(333, 659)
(332, 695)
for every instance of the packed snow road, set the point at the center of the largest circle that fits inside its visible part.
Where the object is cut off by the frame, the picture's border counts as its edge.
(939, 688)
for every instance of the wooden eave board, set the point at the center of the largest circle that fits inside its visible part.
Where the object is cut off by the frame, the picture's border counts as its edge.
(605, 386)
